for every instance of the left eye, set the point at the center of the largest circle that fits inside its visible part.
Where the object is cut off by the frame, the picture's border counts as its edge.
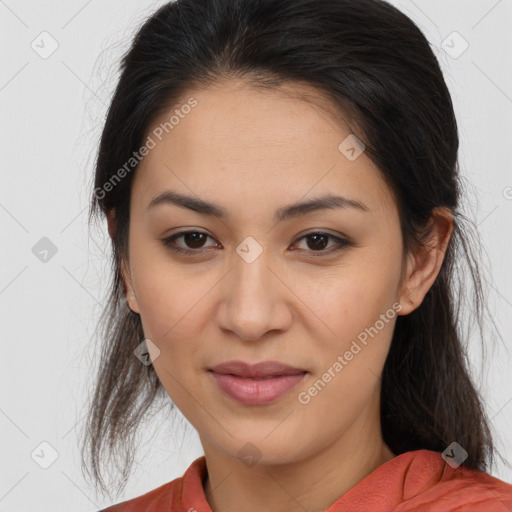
(194, 241)
(319, 241)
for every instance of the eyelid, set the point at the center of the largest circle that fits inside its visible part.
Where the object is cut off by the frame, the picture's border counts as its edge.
(341, 240)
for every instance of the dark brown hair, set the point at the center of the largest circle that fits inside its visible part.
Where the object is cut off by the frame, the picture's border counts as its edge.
(379, 72)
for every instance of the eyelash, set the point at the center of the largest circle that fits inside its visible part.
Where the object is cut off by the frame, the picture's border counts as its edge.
(341, 242)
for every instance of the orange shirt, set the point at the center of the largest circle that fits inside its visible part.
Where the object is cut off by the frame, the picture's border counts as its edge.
(418, 481)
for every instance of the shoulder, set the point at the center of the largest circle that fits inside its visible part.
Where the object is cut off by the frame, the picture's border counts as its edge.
(422, 481)
(432, 484)
(170, 496)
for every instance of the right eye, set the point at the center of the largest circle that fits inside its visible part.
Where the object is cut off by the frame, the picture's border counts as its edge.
(194, 240)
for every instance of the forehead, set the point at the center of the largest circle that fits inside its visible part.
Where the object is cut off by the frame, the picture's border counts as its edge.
(239, 141)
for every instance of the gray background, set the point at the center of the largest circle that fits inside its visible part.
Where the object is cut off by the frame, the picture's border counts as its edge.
(52, 113)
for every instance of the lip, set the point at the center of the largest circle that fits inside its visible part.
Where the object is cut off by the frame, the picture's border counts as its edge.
(256, 384)
(263, 369)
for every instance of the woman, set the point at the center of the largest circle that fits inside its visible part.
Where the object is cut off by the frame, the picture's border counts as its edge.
(281, 186)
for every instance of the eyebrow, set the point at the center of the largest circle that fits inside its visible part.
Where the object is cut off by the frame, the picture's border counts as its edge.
(326, 202)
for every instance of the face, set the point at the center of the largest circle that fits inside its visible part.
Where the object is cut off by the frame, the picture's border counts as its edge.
(316, 289)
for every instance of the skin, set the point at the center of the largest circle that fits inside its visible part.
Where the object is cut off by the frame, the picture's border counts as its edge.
(251, 152)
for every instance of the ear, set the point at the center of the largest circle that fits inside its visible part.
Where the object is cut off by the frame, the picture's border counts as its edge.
(126, 275)
(424, 264)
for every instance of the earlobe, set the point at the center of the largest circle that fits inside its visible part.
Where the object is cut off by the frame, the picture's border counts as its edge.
(424, 265)
(405, 299)
(129, 294)
(132, 302)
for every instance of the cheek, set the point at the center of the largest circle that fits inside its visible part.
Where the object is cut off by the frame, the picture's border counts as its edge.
(352, 297)
(171, 305)
(355, 303)
(172, 312)
(168, 295)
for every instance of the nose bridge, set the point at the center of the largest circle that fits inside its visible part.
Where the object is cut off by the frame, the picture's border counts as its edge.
(251, 279)
(251, 301)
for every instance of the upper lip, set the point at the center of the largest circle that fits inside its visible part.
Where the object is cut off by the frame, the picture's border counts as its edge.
(263, 369)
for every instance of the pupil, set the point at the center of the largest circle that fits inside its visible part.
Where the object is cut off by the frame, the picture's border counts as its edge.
(196, 239)
(316, 237)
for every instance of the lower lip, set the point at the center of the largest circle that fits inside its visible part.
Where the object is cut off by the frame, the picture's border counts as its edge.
(256, 391)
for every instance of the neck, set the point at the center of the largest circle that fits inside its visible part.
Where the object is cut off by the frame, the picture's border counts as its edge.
(312, 483)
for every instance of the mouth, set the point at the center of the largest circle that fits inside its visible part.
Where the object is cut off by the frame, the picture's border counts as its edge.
(257, 384)
(265, 369)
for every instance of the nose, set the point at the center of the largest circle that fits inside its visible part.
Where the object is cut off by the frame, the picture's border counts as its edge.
(254, 299)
